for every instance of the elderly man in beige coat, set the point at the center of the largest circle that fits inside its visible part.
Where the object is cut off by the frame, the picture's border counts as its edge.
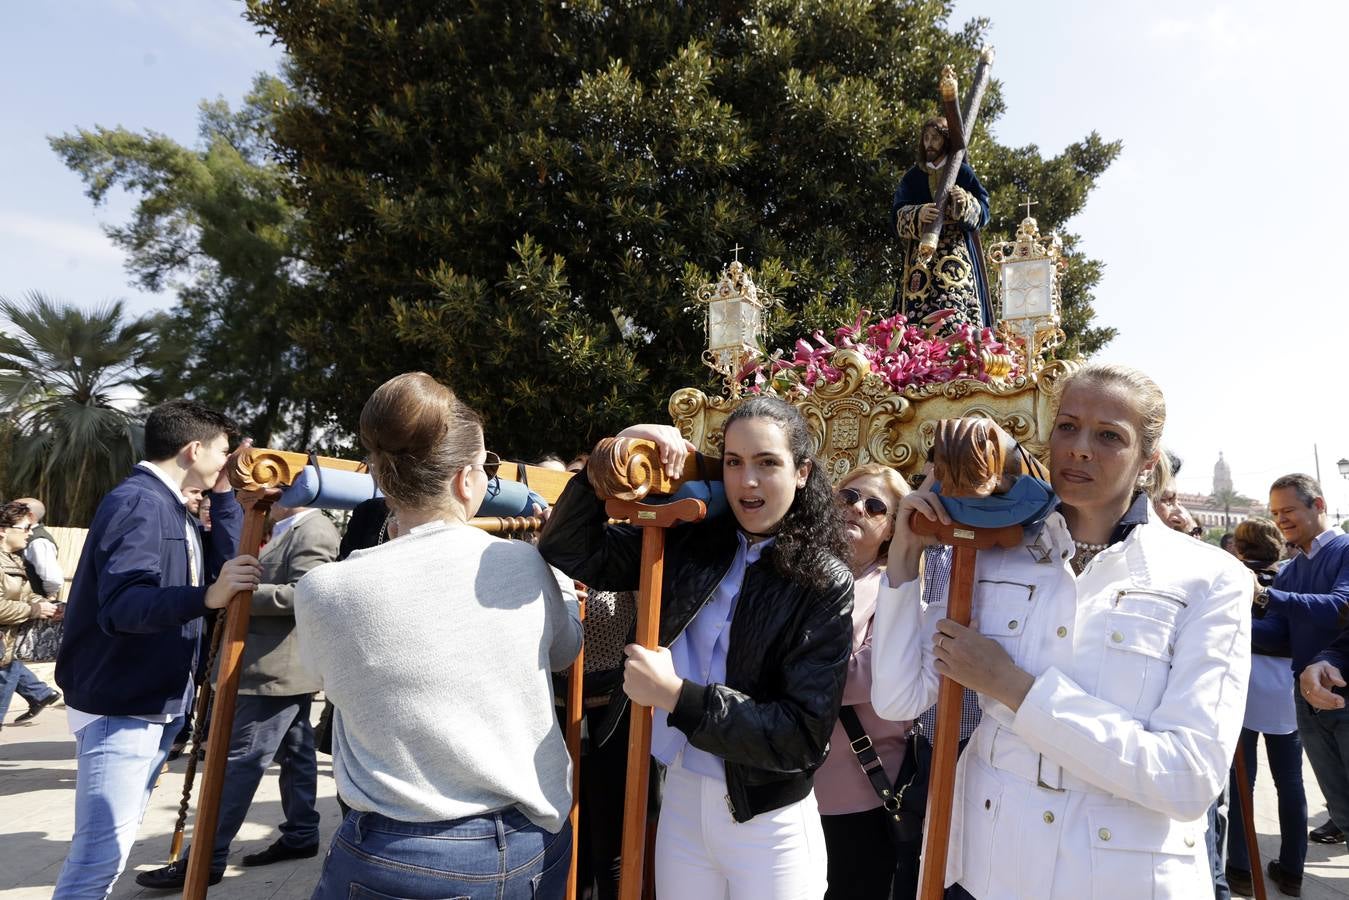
(271, 718)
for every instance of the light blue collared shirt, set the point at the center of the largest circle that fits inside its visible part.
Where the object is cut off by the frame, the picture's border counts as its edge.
(700, 656)
(1322, 539)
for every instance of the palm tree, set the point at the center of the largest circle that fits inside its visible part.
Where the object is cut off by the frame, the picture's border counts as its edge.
(1228, 498)
(68, 380)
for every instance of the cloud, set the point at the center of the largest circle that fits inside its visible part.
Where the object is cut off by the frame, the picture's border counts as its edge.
(68, 239)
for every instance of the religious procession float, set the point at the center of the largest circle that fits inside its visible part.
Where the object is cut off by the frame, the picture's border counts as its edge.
(873, 391)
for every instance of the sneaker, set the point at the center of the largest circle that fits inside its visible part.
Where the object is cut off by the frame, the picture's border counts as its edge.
(280, 851)
(39, 706)
(172, 877)
(1328, 833)
(1239, 881)
(1286, 881)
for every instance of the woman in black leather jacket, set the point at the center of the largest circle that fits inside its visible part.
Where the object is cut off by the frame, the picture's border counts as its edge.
(755, 634)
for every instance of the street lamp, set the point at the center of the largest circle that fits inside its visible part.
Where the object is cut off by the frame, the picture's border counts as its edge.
(1343, 465)
(1029, 286)
(735, 323)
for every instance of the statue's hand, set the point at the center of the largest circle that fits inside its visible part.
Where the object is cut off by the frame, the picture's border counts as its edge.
(928, 214)
(956, 200)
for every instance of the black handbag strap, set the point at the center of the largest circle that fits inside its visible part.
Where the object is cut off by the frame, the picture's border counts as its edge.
(865, 752)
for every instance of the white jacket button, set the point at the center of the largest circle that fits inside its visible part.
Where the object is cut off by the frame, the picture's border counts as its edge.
(1104, 834)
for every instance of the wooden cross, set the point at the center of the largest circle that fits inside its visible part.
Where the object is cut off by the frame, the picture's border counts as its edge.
(1028, 204)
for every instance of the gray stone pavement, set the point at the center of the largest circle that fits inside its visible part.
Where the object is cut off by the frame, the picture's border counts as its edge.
(37, 780)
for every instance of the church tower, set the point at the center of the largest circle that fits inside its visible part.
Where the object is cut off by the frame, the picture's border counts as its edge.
(1222, 475)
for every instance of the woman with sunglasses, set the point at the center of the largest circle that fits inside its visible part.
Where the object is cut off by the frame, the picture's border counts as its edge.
(1110, 655)
(435, 649)
(755, 631)
(863, 854)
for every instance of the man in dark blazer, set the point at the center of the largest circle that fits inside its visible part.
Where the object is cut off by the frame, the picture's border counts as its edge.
(271, 715)
(133, 631)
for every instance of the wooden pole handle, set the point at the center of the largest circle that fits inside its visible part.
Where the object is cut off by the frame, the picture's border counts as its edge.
(575, 712)
(1244, 805)
(946, 741)
(653, 520)
(966, 542)
(255, 504)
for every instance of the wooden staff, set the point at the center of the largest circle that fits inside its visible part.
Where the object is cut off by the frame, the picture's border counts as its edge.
(203, 708)
(946, 741)
(624, 471)
(653, 520)
(255, 504)
(1245, 799)
(575, 712)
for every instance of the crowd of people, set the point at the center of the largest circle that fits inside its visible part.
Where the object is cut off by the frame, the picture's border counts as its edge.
(1114, 668)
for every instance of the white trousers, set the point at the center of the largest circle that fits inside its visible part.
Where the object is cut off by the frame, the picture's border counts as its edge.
(704, 854)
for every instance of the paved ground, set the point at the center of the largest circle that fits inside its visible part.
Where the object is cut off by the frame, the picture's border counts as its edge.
(37, 778)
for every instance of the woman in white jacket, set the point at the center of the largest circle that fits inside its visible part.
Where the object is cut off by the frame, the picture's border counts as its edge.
(1111, 657)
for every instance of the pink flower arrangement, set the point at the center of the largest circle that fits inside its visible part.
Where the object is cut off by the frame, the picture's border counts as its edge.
(902, 354)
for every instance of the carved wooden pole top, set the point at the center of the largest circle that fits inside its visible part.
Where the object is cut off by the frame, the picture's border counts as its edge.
(256, 468)
(630, 469)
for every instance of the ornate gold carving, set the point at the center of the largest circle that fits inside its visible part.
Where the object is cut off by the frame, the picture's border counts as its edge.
(258, 468)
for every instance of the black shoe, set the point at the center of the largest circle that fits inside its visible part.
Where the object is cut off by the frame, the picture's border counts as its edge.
(1240, 882)
(280, 851)
(1328, 833)
(1287, 882)
(172, 877)
(39, 706)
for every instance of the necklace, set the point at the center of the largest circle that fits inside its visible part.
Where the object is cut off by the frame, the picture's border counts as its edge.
(1085, 553)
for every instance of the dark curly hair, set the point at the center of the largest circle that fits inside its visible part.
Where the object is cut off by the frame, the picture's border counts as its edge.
(13, 513)
(812, 529)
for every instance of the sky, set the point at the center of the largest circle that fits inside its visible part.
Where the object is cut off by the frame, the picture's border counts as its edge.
(1212, 224)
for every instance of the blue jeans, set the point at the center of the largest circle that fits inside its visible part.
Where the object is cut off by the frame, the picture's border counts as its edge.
(1216, 844)
(267, 728)
(1284, 754)
(1325, 737)
(119, 761)
(18, 678)
(496, 856)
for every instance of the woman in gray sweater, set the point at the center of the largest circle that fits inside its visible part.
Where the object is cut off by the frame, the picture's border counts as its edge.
(435, 648)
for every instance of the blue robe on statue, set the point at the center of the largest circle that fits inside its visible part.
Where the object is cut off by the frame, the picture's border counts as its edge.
(953, 277)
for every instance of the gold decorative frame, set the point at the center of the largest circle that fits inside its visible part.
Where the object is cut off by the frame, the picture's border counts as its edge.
(859, 419)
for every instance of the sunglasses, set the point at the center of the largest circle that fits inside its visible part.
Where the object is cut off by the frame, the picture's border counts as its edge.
(874, 506)
(491, 465)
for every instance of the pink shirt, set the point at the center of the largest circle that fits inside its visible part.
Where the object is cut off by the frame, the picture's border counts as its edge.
(840, 785)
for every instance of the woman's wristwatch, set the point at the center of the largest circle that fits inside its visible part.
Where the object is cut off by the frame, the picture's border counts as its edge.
(1262, 597)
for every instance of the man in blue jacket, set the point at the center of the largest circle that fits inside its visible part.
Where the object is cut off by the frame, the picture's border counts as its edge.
(1301, 611)
(133, 631)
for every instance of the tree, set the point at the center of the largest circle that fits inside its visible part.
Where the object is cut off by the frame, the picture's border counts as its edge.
(69, 380)
(1228, 498)
(523, 197)
(213, 223)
